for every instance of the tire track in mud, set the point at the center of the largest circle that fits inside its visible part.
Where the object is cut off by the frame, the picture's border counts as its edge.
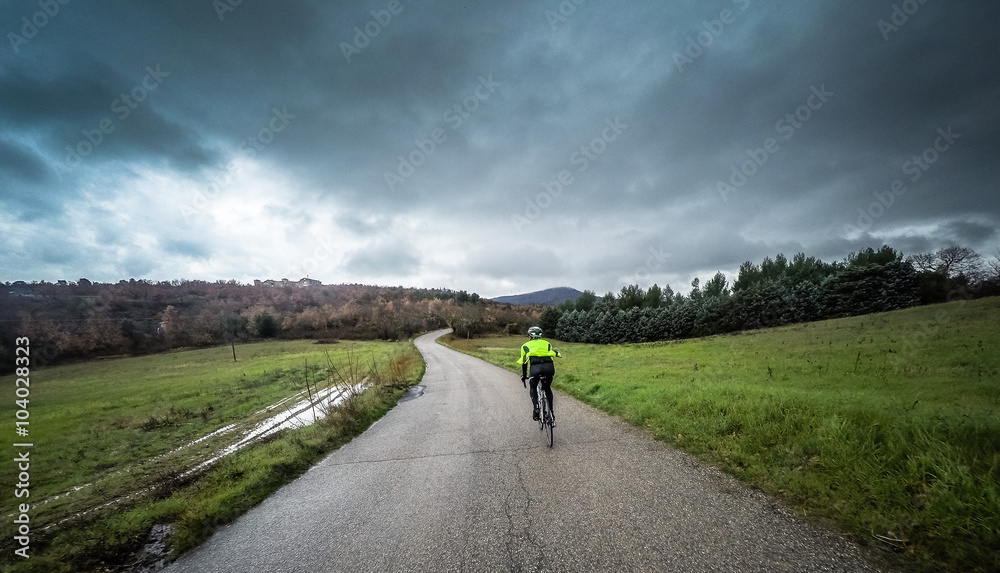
(300, 414)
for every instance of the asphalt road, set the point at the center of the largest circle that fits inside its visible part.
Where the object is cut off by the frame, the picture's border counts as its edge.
(460, 479)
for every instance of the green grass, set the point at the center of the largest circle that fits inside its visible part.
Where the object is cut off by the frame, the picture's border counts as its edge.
(115, 424)
(888, 424)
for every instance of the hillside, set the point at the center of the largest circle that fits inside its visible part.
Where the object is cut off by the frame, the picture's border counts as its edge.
(549, 296)
(73, 321)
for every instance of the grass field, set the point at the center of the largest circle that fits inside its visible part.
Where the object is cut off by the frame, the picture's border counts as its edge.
(889, 424)
(120, 431)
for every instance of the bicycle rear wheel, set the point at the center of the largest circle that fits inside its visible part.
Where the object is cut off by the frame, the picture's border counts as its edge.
(546, 420)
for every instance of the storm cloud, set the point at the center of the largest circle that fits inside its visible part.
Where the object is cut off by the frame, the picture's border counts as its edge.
(493, 147)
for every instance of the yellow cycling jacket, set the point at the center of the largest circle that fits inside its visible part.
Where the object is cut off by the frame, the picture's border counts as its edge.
(534, 352)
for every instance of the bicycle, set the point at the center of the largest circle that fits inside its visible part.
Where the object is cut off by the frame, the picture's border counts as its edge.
(545, 421)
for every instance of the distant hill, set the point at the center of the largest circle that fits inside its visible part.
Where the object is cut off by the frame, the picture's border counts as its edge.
(549, 296)
(83, 320)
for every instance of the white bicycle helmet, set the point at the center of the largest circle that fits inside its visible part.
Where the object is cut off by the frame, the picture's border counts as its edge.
(534, 333)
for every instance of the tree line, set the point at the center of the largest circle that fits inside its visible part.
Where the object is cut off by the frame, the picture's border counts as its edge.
(83, 319)
(775, 292)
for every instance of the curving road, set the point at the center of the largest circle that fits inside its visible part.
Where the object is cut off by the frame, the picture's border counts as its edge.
(460, 479)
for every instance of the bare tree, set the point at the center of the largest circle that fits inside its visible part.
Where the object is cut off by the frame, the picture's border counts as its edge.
(960, 261)
(924, 262)
(950, 262)
(994, 264)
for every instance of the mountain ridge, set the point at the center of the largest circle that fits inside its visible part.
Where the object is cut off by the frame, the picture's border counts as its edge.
(548, 297)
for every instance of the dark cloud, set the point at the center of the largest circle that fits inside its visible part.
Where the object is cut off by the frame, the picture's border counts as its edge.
(971, 233)
(29, 100)
(415, 90)
(524, 261)
(190, 249)
(362, 227)
(390, 260)
(17, 162)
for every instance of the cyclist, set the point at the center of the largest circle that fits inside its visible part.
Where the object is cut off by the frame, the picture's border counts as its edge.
(537, 354)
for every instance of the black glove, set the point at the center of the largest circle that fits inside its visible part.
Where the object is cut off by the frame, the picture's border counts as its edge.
(524, 381)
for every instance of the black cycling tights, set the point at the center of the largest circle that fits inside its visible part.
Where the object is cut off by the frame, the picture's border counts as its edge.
(546, 386)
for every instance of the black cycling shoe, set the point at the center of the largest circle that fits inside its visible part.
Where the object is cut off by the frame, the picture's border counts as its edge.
(552, 418)
(534, 414)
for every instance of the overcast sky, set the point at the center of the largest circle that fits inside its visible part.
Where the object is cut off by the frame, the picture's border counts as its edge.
(497, 147)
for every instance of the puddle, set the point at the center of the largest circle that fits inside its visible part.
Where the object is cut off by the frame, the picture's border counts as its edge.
(300, 415)
(413, 393)
(219, 432)
(276, 404)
